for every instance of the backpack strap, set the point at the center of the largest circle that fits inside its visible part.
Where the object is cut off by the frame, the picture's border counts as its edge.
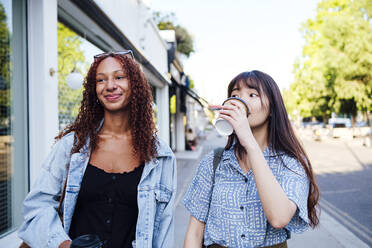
(216, 160)
(217, 155)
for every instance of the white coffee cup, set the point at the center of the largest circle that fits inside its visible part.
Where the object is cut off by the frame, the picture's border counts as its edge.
(222, 126)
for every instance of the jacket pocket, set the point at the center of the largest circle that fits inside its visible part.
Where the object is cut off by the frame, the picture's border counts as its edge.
(72, 189)
(162, 198)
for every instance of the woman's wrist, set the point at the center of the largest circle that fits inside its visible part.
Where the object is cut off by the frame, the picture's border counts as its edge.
(65, 244)
(251, 147)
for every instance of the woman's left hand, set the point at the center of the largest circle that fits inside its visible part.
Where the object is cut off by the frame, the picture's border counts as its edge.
(238, 119)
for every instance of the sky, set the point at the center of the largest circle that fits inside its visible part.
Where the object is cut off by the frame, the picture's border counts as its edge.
(232, 36)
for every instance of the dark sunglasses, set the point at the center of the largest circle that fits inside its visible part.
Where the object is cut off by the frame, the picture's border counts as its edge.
(126, 53)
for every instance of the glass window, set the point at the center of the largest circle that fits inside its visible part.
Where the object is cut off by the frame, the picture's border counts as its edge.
(13, 113)
(75, 54)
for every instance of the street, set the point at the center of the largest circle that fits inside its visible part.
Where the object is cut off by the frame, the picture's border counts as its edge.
(344, 174)
(344, 171)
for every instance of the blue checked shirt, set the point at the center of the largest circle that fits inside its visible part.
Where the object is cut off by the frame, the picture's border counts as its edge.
(236, 217)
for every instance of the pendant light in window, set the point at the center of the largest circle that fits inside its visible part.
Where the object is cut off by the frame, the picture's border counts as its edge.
(74, 80)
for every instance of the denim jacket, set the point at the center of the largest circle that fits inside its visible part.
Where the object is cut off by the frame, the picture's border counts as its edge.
(156, 195)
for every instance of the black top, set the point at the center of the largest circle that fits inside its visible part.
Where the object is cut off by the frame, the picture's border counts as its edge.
(107, 206)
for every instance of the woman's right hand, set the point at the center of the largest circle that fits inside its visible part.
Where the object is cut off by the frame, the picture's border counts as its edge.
(65, 244)
(237, 117)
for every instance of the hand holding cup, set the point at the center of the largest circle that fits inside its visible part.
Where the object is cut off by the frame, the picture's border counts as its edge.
(222, 126)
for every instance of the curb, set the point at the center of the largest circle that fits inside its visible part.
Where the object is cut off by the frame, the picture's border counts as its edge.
(340, 224)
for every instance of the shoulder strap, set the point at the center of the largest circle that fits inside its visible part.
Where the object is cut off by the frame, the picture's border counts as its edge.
(216, 159)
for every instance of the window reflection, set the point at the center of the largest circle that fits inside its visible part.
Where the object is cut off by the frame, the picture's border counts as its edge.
(6, 139)
(74, 54)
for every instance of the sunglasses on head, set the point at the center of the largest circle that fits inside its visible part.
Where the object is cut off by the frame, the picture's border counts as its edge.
(126, 53)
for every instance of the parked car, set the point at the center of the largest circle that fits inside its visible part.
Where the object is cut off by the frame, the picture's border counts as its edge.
(361, 124)
(339, 130)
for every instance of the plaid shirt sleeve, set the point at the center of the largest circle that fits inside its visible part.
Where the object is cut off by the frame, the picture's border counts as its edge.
(295, 184)
(198, 196)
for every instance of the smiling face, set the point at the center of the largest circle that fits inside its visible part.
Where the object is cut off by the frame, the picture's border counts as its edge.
(258, 105)
(112, 85)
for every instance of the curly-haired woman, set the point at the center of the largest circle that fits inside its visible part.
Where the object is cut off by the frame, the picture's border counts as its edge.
(121, 179)
(263, 187)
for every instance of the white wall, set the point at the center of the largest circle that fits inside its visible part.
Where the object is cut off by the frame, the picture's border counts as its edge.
(162, 100)
(43, 87)
(154, 47)
(134, 19)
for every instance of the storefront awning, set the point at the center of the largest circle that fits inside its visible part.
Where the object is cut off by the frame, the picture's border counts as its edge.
(202, 102)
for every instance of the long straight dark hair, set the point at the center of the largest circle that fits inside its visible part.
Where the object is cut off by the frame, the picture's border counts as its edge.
(281, 136)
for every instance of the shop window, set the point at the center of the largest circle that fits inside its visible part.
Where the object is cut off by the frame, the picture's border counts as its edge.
(75, 54)
(13, 113)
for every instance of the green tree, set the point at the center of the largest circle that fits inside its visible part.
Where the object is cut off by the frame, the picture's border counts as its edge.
(335, 70)
(5, 69)
(185, 42)
(70, 57)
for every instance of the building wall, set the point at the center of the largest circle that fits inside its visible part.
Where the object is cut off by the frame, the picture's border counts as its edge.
(43, 84)
(134, 19)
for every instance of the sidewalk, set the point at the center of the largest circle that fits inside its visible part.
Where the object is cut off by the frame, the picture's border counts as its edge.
(329, 233)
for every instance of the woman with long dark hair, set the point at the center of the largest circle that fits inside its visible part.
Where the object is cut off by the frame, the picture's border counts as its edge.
(121, 178)
(263, 188)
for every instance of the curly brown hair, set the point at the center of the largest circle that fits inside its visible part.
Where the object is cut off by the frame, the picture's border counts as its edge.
(87, 122)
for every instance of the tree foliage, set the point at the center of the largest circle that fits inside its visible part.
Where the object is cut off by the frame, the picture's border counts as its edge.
(185, 42)
(334, 73)
(5, 69)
